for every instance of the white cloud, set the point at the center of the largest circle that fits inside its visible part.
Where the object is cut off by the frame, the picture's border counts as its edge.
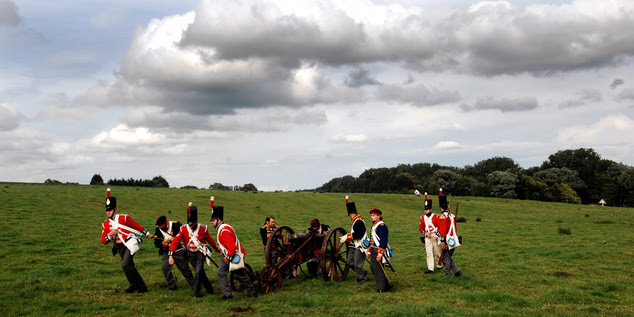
(10, 117)
(609, 130)
(123, 135)
(356, 138)
(448, 145)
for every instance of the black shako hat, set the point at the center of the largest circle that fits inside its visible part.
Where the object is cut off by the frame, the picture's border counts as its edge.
(217, 212)
(111, 202)
(192, 214)
(442, 200)
(428, 204)
(352, 208)
(160, 220)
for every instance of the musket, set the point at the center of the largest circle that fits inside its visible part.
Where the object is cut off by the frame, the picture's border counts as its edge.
(390, 264)
(382, 269)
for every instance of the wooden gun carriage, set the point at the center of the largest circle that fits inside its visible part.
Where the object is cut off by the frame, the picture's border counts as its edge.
(286, 250)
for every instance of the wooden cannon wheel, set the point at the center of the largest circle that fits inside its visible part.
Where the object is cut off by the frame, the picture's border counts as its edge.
(278, 246)
(334, 255)
(270, 279)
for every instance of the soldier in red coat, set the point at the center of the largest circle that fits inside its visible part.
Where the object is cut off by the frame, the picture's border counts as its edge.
(125, 233)
(195, 237)
(447, 227)
(429, 228)
(229, 246)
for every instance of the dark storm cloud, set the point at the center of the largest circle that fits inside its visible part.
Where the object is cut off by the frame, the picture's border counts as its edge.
(616, 82)
(503, 104)
(226, 56)
(418, 95)
(9, 13)
(360, 77)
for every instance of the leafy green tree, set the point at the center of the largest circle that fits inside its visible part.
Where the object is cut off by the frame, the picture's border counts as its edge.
(532, 188)
(159, 181)
(219, 186)
(96, 180)
(404, 181)
(446, 179)
(568, 195)
(503, 184)
(249, 188)
(554, 176)
(488, 166)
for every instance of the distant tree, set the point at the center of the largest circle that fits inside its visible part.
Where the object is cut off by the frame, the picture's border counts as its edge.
(249, 188)
(159, 181)
(51, 181)
(502, 184)
(219, 186)
(568, 195)
(96, 180)
(189, 187)
(446, 179)
(589, 166)
(488, 166)
(532, 188)
(555, 176)
(404, 181)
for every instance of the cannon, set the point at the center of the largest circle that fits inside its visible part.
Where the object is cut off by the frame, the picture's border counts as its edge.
(286, 250)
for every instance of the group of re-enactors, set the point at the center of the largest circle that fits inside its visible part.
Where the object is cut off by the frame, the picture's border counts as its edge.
(179, 245)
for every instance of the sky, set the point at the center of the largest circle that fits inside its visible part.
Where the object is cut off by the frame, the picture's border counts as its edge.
(287, 95)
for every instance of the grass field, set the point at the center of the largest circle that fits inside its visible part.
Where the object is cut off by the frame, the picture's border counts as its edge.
(515, 261)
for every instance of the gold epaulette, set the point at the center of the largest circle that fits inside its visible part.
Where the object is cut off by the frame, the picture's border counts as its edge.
(442, 217)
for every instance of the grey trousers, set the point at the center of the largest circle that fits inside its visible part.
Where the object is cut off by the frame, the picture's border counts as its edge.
(448, 262)
(379, 272)
(127, 264)
(241, 274)
(198, 262)
(355, 260)
(181, 264)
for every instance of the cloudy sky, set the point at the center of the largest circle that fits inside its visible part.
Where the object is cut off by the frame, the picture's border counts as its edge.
(289, 94)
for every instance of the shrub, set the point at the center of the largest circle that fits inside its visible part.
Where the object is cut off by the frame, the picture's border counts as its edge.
(564, 230)
(478, 219)
(461, 219)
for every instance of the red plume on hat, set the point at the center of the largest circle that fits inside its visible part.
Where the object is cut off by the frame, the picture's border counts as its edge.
(440, 192)
(189, 208)
(425, 195)
(108, 193)
(346, 199)
(211, 202)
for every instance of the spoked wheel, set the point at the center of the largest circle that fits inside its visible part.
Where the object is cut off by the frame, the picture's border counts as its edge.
(278, 245)
(236, 284)
(334, 255)
(270, 279)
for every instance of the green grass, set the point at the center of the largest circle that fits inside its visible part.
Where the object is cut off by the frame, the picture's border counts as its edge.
(514, 261)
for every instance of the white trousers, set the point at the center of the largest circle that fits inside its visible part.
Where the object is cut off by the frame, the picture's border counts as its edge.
(433, 253)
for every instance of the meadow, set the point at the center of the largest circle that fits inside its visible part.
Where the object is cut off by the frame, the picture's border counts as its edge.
(520, 258)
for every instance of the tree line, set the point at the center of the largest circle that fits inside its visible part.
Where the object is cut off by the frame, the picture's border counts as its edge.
(571, 176)
(157, 181)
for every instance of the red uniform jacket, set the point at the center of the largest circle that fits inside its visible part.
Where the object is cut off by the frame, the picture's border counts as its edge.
(444, 224)
(203, 236)
(227, 240)
(434, 222)
(124, 220)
